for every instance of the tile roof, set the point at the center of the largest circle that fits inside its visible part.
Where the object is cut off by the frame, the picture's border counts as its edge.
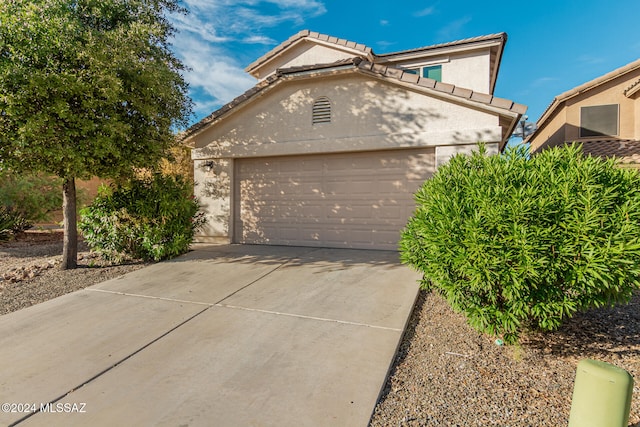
(365, 50)
(360, 65)
(502, 37)
(627, 151)
(436, 86)
(633, 88)
(548, 112)
(498, 39)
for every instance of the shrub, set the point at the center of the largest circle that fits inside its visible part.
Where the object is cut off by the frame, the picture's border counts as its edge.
(33, 197)
(11, 222)
(519, 244)
(150, 218)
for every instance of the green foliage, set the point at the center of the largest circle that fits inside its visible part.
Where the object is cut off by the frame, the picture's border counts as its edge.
(11, 222)
(519, 244)
(32, 196)
(88, 87)
(149, 218)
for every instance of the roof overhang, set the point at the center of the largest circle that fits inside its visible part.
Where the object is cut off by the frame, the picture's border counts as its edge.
(559, 100)
(494, 42)
(509, 111)
(306, 36)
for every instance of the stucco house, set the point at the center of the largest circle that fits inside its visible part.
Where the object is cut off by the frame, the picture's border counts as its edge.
(331, 144)
(602, 114)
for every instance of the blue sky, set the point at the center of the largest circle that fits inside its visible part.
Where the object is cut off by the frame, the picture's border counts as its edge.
(552, 46)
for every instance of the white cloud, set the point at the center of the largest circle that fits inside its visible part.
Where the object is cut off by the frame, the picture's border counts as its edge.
(453, 30)
(543, 81)
(589, 59)
(214, 77)
(385, 45)
(259, 40)
(208, 35)
(425, 12)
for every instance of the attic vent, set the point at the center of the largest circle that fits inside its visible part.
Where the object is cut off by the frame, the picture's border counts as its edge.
(321, 110)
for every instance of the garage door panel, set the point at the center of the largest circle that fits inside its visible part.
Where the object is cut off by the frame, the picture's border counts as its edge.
(358, 200)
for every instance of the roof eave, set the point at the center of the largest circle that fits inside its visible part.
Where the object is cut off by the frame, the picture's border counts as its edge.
(313, 37)
(579, 90)
(487, 102)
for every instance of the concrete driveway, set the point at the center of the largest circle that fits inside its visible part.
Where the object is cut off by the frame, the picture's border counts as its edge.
(222, 336)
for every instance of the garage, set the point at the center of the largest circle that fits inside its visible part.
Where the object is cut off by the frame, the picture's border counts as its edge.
(331, 144)
(347, 200)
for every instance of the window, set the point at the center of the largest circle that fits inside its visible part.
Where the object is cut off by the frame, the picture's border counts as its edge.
(599, 120)
(321, 111)
(432, 72)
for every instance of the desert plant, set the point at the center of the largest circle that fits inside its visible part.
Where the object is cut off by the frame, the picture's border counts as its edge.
(519, 244)
(11, 222)
(150, 218)
(32, 196)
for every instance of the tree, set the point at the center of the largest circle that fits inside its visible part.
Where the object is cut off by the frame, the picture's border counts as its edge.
(87, 88)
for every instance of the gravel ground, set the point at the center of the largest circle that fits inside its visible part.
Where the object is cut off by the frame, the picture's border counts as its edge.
(30, 273)
(445, 373)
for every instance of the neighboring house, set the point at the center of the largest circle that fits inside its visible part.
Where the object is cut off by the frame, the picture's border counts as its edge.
(603, 115)
(333, 141)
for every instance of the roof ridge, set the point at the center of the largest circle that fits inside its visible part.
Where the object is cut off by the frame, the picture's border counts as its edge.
(309, 35)
(557, 100)
(501, 36)
(599, 80)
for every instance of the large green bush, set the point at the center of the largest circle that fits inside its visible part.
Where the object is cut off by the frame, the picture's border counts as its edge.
(521, 244)
(32, 196)
(149, 218)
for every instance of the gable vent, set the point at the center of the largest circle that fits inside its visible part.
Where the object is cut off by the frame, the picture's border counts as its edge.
(321, 110)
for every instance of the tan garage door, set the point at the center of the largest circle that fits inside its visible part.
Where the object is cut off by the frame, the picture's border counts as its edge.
(355, 200)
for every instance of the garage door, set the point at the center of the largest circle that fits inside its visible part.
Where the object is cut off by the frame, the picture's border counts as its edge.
(355, 200)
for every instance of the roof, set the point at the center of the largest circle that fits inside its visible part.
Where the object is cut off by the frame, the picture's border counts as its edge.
(500, 37)
(357, 64)
(578, 90)
(496, 41)
(306, 34)
(627, 151)
(632, 89)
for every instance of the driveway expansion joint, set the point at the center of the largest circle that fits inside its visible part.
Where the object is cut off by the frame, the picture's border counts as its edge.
(112, 366)
(151, 297)
(261, 277)
(302, 316)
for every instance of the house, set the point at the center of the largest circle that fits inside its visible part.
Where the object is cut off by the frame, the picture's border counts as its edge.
(602, 114)
(333, 141)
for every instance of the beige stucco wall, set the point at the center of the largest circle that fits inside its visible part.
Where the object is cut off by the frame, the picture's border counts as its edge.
(367, 114)
(636, 116)
(471, 70)
(565, 124)
(446, 152)
(212, 187)
(553, 133)
(303, 53)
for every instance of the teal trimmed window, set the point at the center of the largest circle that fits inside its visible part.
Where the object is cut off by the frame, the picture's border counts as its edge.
(433, 72)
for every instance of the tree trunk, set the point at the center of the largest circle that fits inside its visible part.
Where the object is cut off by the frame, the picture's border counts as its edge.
(70, 245)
